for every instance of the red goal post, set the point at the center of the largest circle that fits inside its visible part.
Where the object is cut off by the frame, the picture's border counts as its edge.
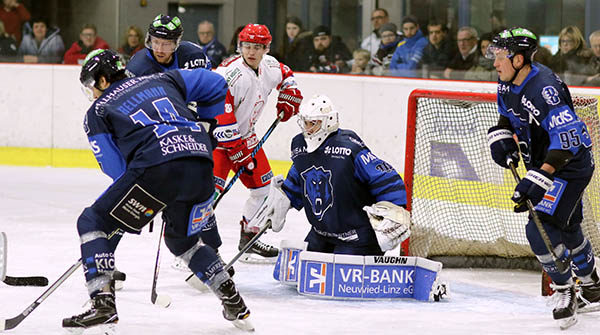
(458, 197)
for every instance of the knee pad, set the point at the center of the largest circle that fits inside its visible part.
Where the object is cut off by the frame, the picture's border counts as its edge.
(257, 196)
(543, 254)
(179, 245)
(90, 221)
(205, 264)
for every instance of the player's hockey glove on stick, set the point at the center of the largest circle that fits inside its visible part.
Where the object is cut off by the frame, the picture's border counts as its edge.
(273, 209)
(533, 187)
(288, 103)
(390, 222)
(503, 146)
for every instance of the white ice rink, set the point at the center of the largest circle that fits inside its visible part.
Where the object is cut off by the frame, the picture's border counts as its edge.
(38, 211)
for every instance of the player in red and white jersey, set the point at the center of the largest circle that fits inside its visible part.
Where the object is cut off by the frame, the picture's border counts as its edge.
(251, 77)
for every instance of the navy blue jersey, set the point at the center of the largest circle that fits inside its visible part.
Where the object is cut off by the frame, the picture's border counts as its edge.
(187, 56)
(336, 181)
(542, 116)
(144, 121)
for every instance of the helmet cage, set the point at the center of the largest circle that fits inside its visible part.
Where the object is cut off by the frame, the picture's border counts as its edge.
(319, 108)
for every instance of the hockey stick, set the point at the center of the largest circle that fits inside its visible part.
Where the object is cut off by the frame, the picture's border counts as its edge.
(6, 324)
(15, 281)
(230, 184)
(163, 300)
(561, 265)
(248, 245)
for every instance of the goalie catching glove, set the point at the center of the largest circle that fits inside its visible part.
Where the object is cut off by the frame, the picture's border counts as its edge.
(288, 103)
(390, 222)
(274, 209)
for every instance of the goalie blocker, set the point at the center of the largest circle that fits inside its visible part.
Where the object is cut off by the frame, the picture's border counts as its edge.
(334, 276)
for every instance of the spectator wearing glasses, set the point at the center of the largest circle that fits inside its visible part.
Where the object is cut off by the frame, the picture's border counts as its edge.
(409, 51)
(371, 42)
(484, 69)
(439, 51)
(209, 43)
(88, 41)
(573, 56)
(132, 42)
(467, 56)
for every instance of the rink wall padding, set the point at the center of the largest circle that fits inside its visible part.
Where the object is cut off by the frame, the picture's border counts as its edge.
(42, 109)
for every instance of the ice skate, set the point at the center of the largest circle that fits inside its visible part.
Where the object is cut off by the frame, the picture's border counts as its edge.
(102, 315)
(565, 312)
(234, 308)
(588, 296)
(259, 252)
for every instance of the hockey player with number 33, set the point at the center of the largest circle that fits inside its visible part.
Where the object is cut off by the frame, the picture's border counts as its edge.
(535, 105)
(353, 200)
(251, 77)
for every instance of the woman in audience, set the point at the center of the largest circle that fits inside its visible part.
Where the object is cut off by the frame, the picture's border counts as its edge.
(132, 42)
(43, 44)
(573, 56)
(296, 41)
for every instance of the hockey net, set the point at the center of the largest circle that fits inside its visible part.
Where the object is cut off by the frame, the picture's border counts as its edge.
(459, 198)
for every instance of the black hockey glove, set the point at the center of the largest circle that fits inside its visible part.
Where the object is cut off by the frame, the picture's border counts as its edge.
(533, 187)
(503, 146)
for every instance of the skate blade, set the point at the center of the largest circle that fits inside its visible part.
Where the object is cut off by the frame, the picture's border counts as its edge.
(196, 283)
(567, 322)
(110, 329)
(589, 308)
(252, 258)
(118, 285)
(244, 325)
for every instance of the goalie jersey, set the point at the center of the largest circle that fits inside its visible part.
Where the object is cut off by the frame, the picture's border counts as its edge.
(336, 181)
(144, 121)
(542, 116)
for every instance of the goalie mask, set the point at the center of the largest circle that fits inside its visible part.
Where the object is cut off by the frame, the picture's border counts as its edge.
(98, 63)
(317, 119)
(166, 28)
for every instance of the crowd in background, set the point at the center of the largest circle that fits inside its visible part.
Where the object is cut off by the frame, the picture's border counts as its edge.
(407, 50)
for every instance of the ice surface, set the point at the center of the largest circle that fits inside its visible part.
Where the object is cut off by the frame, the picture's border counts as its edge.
(38, 211)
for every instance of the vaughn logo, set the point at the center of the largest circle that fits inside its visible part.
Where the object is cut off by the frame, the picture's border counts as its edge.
(390, 260)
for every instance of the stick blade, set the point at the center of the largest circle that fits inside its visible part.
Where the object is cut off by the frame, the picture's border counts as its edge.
(26, 281)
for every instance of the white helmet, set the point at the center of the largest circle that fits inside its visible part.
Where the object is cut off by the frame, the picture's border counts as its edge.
(318, 108)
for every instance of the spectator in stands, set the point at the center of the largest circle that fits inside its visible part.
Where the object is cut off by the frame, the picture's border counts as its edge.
(8, 46)
(296, 42)
(409, 51)
(543, 56)
(439, 51)
(88, 41)
(573, 56)
(389, 41)
(361, 59)
(132, 42)
(329, 53)
(371, 42)
(43, 44)
(594, 66)
(467, 56)
(233, 44)
(484, 69)
(209, 43)
(14, 14)
(497, 21)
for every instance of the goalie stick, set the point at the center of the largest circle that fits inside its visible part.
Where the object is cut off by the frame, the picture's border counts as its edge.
(225, 190)
(15, 281)
(561, 265)
(228, 187)
(6, 324)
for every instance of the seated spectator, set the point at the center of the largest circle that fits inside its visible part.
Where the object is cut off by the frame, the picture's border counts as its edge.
(467, 56)
(329, 54)
(389, 41)
(296, 42)
(14, 14)
(484, 69)
(439, 51)
(209, 43)
(88, 41)
(43, 44)
(132, 42)
(594, 66)
(409, 51)
(232, 49)
(8, 46)
(573, 56)
(543, 56)
(372, 41)
(361, 62)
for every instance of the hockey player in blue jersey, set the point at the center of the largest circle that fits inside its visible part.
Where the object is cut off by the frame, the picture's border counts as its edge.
(146, 139)
(165, 50)
(535, 105)
(353, 200)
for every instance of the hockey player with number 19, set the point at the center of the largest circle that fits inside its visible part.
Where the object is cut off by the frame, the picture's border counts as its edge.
(353, 200)
(535, 105)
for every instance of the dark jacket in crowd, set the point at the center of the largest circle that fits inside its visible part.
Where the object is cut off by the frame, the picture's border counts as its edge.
(8, 49)
(324, 61)
(215, 51)
(461, 65)
(293, 53)
(572, 67)
(383, 57)
(51, 50)
(435, 61)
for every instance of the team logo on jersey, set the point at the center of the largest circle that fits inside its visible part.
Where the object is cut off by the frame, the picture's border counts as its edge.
(529, 106)
(318, 189)
(551, 96)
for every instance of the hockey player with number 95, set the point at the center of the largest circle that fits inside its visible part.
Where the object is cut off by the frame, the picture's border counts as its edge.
(353, 200)
(535, 105)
